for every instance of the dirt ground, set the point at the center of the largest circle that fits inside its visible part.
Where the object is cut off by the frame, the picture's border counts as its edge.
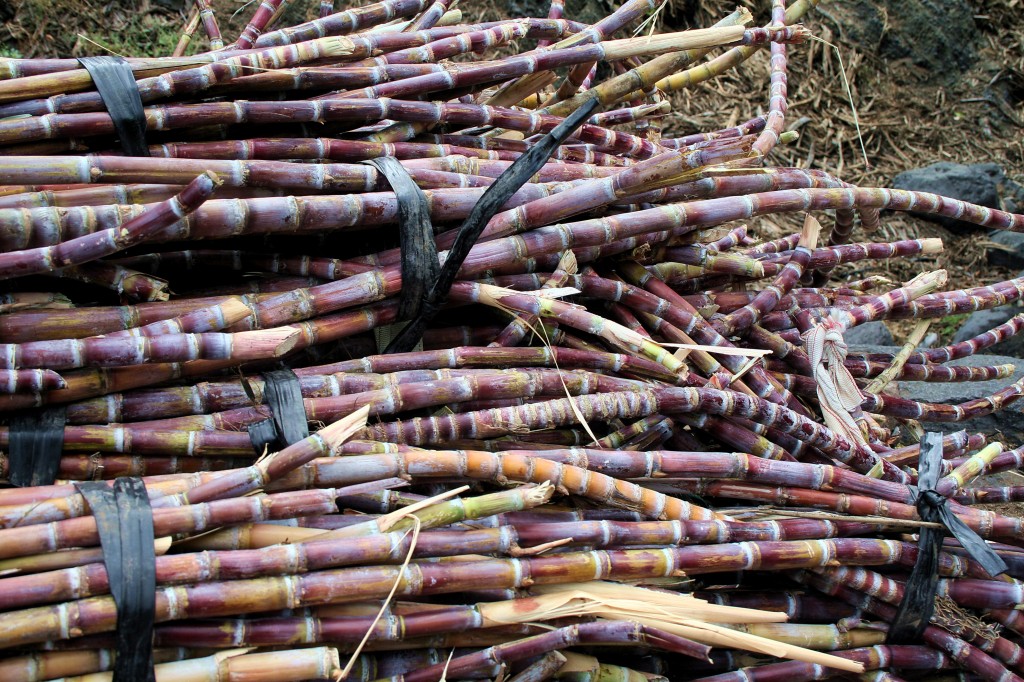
(908, 116)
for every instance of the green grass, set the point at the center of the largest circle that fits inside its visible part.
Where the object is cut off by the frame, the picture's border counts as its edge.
(947, 327)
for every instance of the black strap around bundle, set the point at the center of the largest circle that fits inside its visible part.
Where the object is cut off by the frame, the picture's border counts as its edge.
(918, 604)
(287, 423)
(494, 197)
(420, 266)
(35, 443)
(124, 520)
(116, 84)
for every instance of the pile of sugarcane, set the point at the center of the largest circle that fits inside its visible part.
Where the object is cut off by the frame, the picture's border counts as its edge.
(628, 442)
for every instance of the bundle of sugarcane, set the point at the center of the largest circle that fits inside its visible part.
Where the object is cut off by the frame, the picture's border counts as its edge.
(616, 436)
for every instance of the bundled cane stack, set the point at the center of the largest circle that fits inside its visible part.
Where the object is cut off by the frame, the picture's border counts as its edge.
(611, 435)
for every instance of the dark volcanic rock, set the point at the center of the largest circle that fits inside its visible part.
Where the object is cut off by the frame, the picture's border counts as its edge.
(977, 184)
(983, 320)
(586, 11)
(528, 8)
(870, 334)
(937, 35)
(1009, 249)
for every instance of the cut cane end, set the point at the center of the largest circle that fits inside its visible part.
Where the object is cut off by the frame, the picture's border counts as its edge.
(265, 343)
(540, 494)
(809, 233)
(336, 46)
(568, 264)
(213, 178)
(232, 311)
(345, 428)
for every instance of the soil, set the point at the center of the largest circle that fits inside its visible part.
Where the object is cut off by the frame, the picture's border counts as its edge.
(927, 81)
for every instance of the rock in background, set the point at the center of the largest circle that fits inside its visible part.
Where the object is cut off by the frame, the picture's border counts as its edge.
(870, 334)
(1006, 249)
(895, 28)
(587, 11)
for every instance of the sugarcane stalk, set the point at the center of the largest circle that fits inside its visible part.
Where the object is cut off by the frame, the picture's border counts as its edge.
(554, 58)
(875, 657)
(191, 24)
(769, 297)
(285, 665)
(95, 615)
(118, 351)
(777, 104)
(30, 381)
(131, 284)
(672, 397)
(61, 664)
(254, 28)
(730, 59)
(574, 635)
(209, 21)
(85, 249)
(342, 23)
(541, 669)
(81, 531)
(240, 482)
(989, 655)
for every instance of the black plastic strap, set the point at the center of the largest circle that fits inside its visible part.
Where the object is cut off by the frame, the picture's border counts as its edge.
(420, 266)
(918, 604)
(124, 520)
(120, 94)
(287, 423)
(35, 443)
(493, 198)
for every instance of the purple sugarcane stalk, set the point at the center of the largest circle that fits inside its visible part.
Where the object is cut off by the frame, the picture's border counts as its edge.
(29, 380)
(769, 297)
(445, 47)
(890, 592)
(597, 633)
(753, 126)
(342, 23)
(209, 20)
(777, 90)
(254, 28)
(21, 229)
(474, 75)
(220, 598)
(101, 351)
(277, 174)
(901, 657)
(961, 349)
(133, 285)
(92, 247)
(430, 16)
